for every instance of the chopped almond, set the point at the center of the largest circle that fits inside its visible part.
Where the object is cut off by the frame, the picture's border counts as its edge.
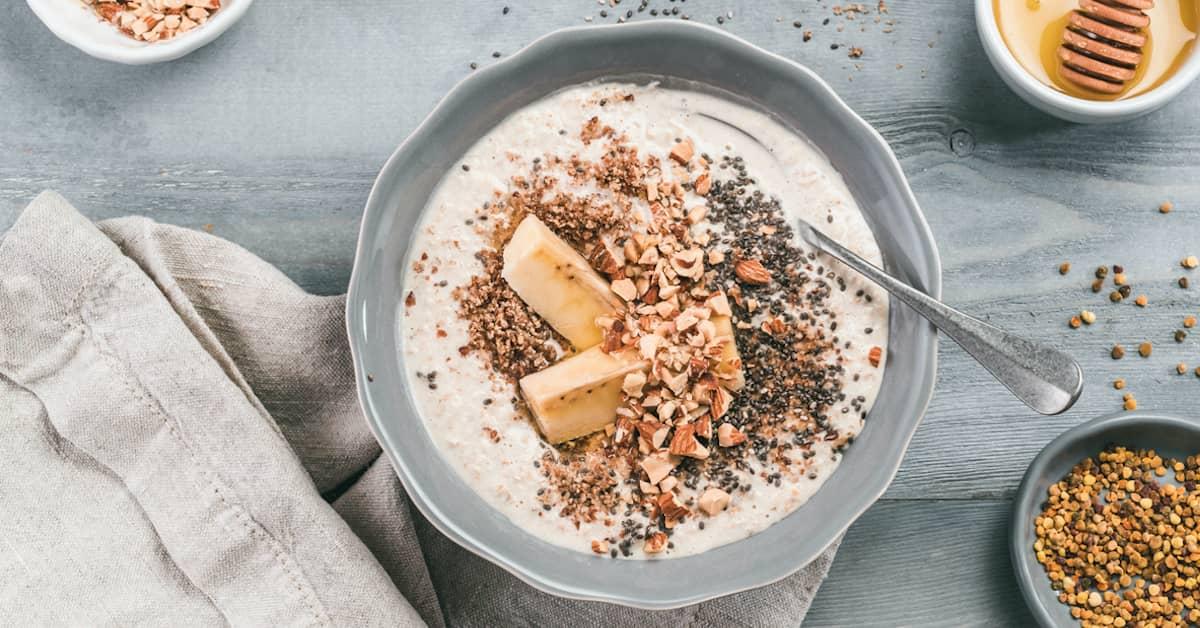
(729, 436)
(682, 152)
(713, 501)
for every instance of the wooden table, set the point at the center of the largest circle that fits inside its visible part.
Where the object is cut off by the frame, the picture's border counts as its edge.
(272, 135)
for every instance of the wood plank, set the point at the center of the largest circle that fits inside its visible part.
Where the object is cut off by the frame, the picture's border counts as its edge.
(910, 563)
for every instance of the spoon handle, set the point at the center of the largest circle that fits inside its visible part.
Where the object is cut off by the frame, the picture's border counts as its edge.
(1046, 379)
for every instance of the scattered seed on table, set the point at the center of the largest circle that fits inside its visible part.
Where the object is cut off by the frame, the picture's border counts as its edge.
(1130, 402)
(1097, 285)
(1102, 272)
(1088, 317)
(1125, 291)
(1064, 268)
(1189, 322)
(1118, 352)
(1145, 349)
(1184, 283)
(1120, 279)
(1119, 384)
(1118, 269)
(1075, 322)
(1180, 335)
(1190, 262)
(1141, 300)
(1181, 368)
(1115, 297)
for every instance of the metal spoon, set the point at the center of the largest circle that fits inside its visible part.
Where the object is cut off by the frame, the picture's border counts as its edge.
(1046, 379)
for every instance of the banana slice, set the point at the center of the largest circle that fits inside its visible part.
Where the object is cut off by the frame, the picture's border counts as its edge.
(579, 394)
(557, 282)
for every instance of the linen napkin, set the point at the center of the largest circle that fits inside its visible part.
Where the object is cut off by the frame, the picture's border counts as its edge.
(180, 444)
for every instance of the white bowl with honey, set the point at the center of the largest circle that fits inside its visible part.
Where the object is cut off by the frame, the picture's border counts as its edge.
(1092, 61)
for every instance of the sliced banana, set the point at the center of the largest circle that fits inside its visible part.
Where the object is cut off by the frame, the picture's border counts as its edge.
(558, 283)
(579, 394)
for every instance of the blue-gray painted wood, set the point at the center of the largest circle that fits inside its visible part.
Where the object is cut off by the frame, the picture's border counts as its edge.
(273, 134)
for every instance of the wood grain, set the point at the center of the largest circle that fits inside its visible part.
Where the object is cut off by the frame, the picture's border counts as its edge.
(273, 134)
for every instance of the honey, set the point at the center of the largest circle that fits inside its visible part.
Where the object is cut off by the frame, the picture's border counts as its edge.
(1033, 31)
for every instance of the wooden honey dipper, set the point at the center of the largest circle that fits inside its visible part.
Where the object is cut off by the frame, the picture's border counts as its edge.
(1102, 43)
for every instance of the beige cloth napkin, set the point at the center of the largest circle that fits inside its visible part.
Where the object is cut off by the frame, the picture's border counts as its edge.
(180, 444)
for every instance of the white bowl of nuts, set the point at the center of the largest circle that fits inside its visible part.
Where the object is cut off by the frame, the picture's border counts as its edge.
(138, 31)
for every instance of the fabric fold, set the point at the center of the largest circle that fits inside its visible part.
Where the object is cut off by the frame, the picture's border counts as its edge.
(124, 380)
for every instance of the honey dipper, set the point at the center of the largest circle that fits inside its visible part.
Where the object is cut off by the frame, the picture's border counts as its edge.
(1102, 43)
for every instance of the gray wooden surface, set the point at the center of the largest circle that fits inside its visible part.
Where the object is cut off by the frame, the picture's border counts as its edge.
(273, 134)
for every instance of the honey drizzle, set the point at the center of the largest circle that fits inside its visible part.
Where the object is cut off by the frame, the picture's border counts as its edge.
(1033, 31)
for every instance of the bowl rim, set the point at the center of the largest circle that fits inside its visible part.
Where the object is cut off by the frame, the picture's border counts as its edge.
(94, 45)
(427, 507)
(1011, 71)
(1026, 498)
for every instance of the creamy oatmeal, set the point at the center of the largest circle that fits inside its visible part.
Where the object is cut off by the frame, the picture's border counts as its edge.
(614, 336)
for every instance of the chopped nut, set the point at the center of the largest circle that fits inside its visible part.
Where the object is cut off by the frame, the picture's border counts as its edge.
(719, 304)
(671, 510)
(713, 501)
(682, 152)
(633, 383)
(702, 184)
(684, 443)
(599, 547)
(657, 466)
(625, 289)
(875, 356)
(655, 543)
(729, 436)
(752, 272)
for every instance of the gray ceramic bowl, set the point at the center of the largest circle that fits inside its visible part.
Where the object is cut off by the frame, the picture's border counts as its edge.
(1169, 436)
(682, 55)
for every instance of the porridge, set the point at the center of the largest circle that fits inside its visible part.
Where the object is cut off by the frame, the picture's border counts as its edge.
(614, 336)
